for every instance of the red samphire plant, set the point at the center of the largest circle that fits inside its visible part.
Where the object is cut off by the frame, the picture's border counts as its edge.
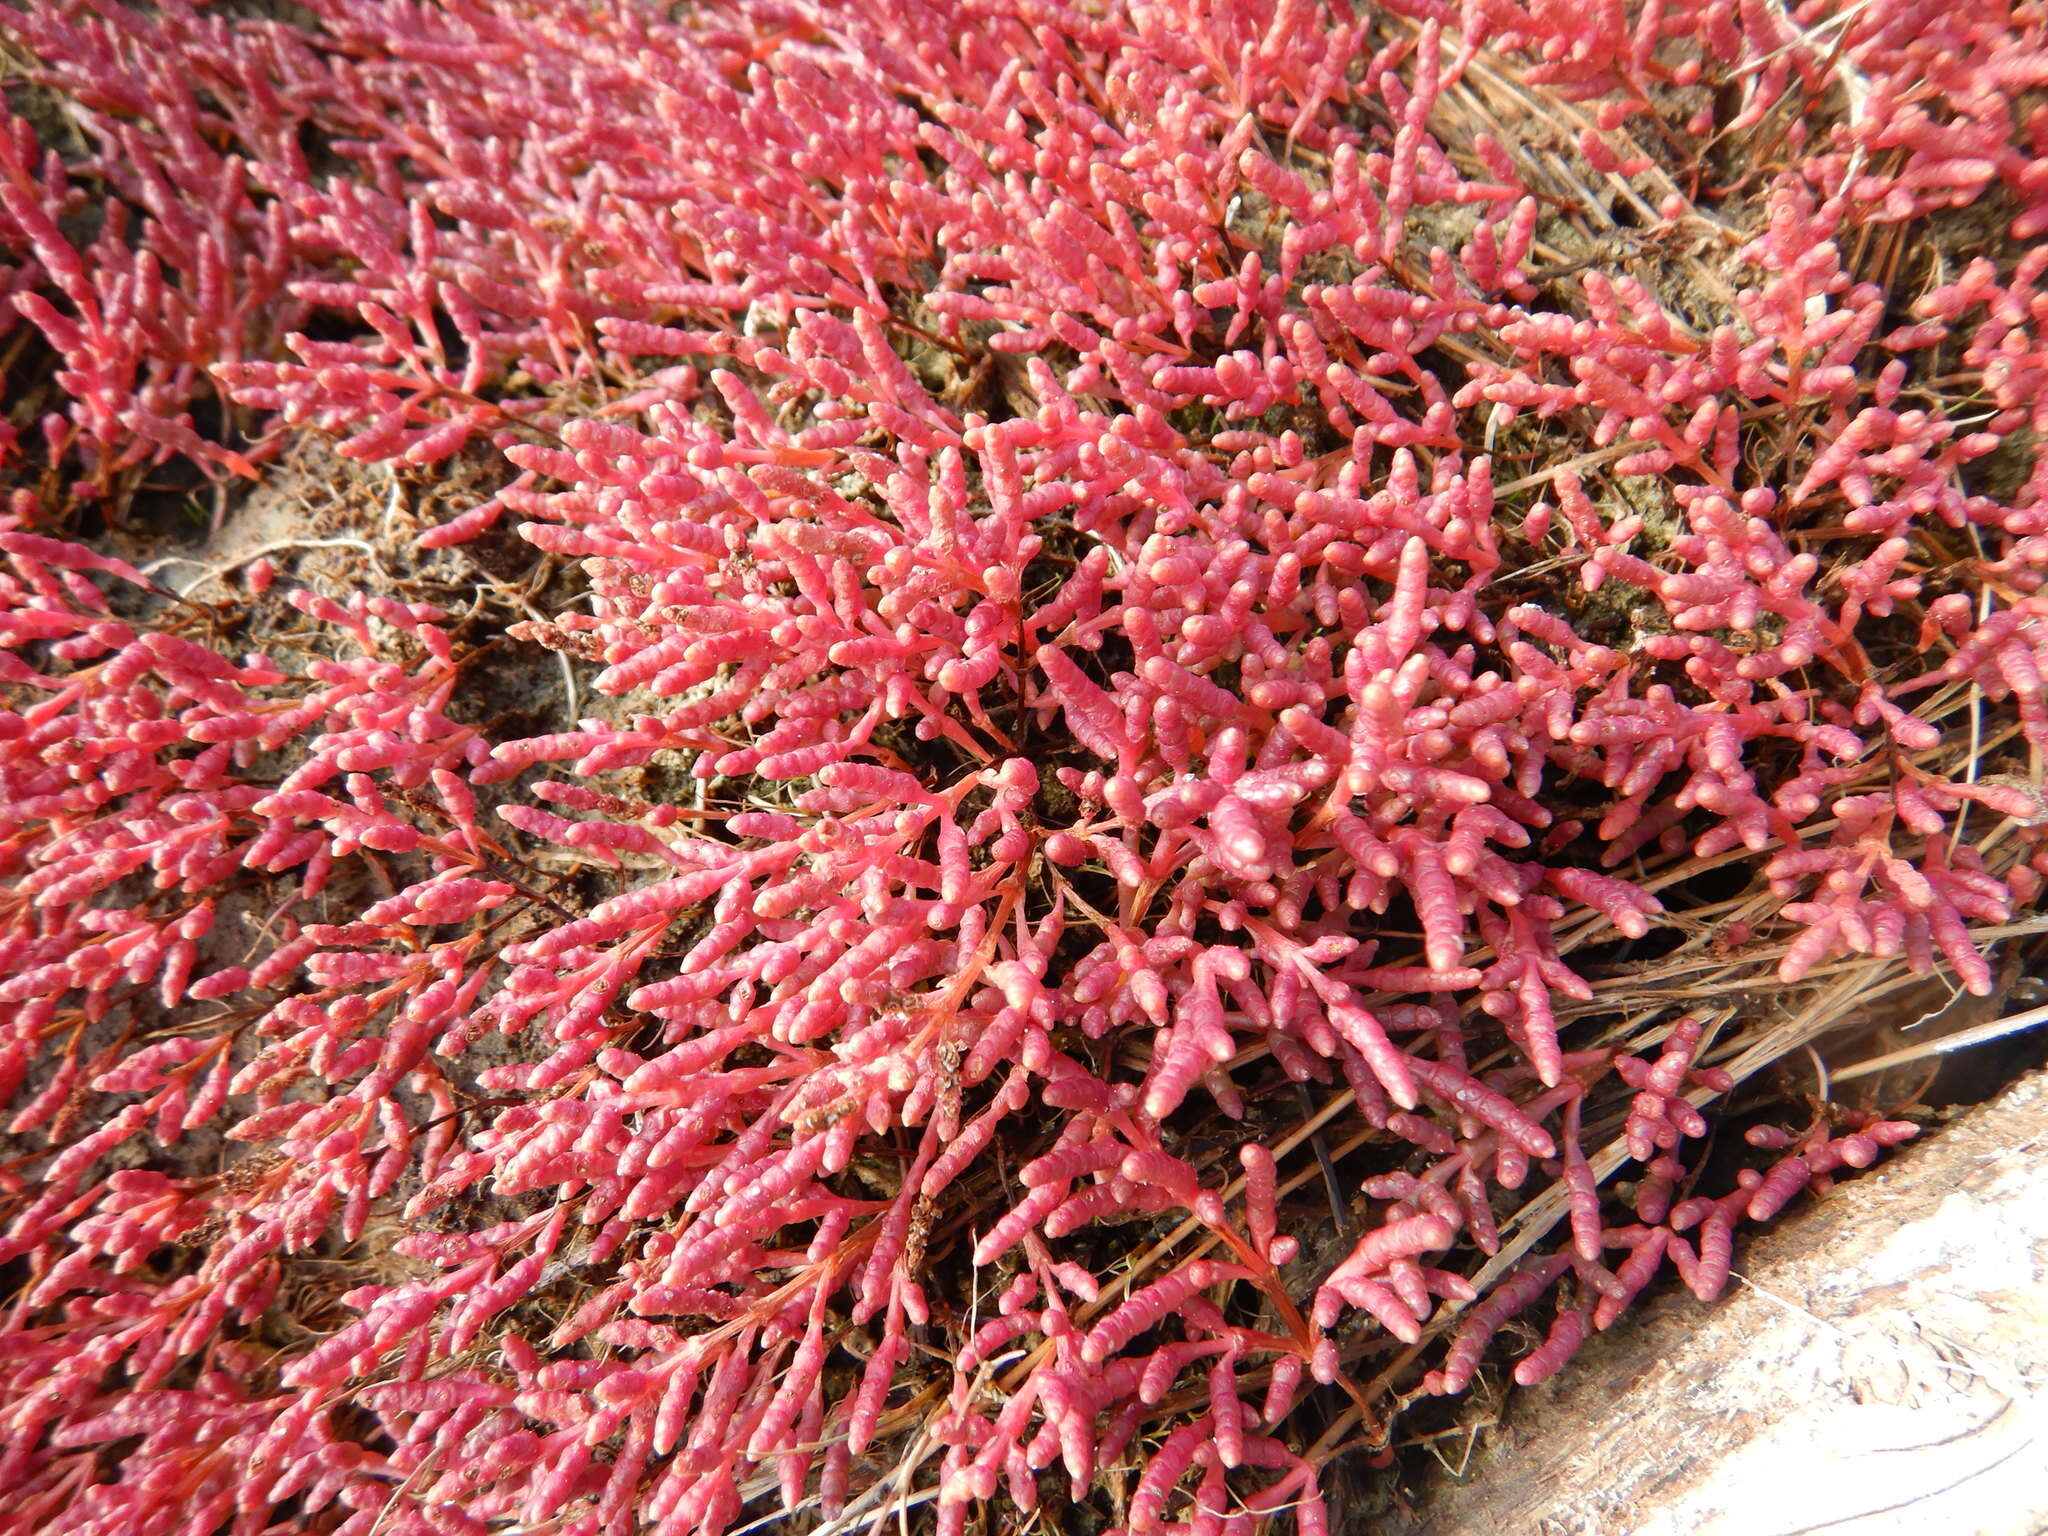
(1122, 561)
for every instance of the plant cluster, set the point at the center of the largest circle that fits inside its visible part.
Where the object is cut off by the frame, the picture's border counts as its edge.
(1129, 561)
